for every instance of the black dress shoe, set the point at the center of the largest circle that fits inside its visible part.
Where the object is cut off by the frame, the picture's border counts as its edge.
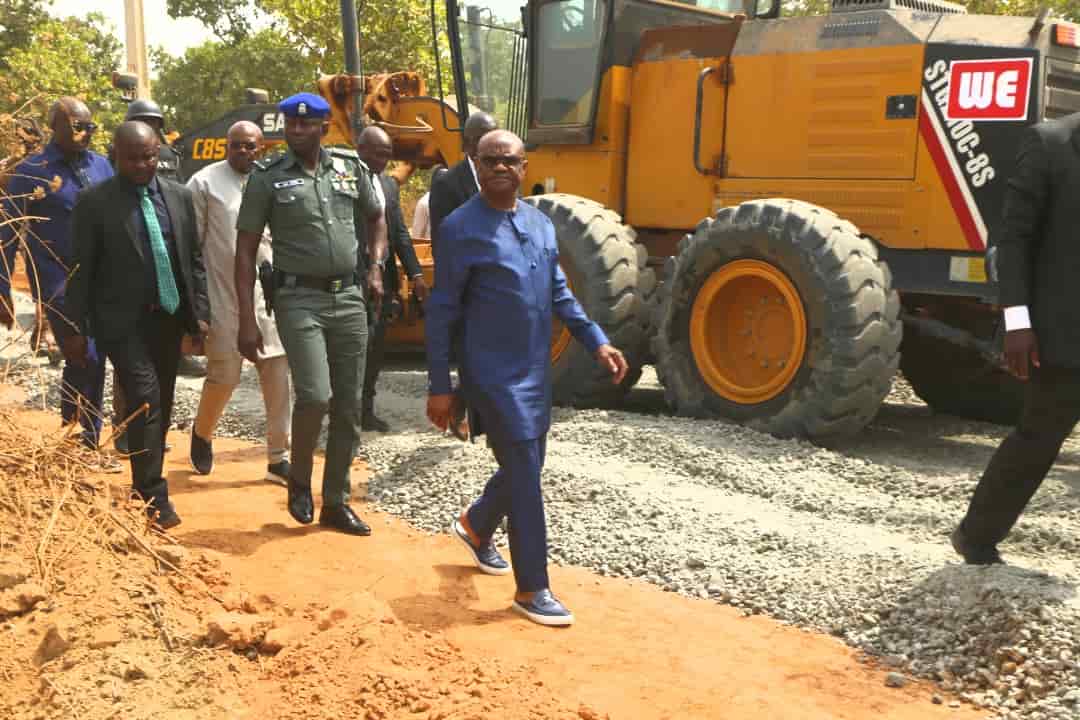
(202, 454)
(974, 554)
(301, 506)
(370, 422)
(341, 517)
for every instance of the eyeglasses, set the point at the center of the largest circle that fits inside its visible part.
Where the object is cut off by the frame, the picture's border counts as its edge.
(84, 126)
(241, 145)
(510, 161)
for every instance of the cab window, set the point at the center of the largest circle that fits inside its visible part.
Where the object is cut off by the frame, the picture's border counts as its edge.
(569, 43)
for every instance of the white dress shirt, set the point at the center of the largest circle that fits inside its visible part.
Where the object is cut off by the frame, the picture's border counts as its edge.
(421, 219)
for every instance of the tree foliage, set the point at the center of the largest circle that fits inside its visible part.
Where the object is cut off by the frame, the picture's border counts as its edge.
(18, 18)
(210, 79)
(1066, 9)
(229, 19)
(303, 39)
(71, 56)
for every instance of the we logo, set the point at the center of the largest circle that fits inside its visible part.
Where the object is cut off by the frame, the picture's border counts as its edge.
(989, 89)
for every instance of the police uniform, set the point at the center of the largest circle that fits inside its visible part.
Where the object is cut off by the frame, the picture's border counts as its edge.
(168, 162)
(318, 221)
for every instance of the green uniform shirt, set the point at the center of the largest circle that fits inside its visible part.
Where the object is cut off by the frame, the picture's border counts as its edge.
(317, 222)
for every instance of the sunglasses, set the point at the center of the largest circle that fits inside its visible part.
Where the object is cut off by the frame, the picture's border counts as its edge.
(241, 145)
(84, 126)
(510, 161)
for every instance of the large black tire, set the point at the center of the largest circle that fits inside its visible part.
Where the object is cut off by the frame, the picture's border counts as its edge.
(959, 381)
(606, 268)
(852, 316)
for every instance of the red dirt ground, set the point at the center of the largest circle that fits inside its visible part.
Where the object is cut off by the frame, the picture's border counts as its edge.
(400, 625)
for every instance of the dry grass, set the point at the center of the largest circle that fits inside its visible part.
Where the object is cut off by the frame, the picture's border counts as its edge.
(52, 503)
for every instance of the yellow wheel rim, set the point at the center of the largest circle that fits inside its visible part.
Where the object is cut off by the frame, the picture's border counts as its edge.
(748, 331)
(560, 336)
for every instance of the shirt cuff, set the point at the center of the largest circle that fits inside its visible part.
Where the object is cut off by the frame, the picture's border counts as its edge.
(594, 338)
(1017, 318)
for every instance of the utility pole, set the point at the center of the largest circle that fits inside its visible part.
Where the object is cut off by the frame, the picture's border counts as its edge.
(135, 39)
(351, 36)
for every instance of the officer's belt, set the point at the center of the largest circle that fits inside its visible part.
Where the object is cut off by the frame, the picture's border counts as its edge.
(326, 284)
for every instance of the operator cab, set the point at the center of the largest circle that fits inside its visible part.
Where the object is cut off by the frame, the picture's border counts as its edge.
(571, 43)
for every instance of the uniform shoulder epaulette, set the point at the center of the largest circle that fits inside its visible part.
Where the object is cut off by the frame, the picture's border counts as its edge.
(269, 161)
(343, 152)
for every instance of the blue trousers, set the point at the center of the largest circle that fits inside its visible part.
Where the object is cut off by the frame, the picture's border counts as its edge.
(83, 388)
(514, 492)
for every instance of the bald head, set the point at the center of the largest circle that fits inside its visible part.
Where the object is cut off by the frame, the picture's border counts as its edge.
(501, 168)
(501, 142)
(65, 108)
(133, 132)
(476, 126)
(244, 128)
(245, 142)
(375, 148)
(137, 146)
(69, 119)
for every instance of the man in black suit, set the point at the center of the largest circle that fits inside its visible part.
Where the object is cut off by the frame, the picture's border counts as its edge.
(138, 287)
(376, 149)
(450, 190)
(1037, 254)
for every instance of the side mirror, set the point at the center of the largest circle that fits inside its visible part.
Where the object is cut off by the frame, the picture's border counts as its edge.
(124, 81)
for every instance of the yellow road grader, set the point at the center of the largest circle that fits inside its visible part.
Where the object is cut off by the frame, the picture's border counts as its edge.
(777, 212)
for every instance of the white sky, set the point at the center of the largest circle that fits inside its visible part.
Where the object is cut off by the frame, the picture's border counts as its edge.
(174, 35)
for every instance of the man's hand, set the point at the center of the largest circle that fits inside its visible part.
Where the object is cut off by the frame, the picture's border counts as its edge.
(197, 343)
(375, 287)
(1021, 352)
(612, 359)
(420, 289)
(7, 317)
(249, 339)
(439, 410)
(75, 350)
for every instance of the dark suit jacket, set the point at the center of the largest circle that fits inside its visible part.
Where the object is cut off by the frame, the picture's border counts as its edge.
(449, 191)
(113, 270)
(398, 235)
(1038, 245)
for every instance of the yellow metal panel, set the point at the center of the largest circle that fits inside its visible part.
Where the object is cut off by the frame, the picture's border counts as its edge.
(663, 189)
(595, 171)
(942, 230)
(822, 114)
(888, 210)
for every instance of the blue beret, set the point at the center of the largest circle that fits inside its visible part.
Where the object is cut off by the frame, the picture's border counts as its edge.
(304, 105)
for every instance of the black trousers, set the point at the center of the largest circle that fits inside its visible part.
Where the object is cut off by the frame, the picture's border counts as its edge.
(145, 363)
(376, 350)
(1021, 462)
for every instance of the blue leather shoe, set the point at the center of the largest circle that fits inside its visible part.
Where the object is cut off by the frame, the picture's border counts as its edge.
(544, 609)
(486, 557)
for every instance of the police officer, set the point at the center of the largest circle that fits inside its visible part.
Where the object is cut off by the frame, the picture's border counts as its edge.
(319, 203)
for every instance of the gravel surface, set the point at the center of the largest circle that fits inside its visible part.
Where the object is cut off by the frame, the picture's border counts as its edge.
(850, 541)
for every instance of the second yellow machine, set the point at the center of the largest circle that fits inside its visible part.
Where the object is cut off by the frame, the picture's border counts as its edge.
(778, 212)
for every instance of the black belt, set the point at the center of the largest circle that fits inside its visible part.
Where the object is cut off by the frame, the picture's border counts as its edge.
(326, 284)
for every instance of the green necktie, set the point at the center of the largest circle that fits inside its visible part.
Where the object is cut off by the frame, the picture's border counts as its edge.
(166, 283)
